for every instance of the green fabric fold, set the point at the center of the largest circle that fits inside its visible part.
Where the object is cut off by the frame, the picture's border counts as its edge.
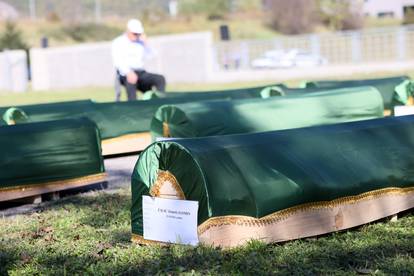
(272, 91)
(15, 115)
(403, 92)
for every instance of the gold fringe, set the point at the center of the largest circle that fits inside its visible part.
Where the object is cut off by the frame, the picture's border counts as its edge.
(162, 177)
(140, 240)
(283, 214)
(73, 181)
(387, 112)
(165, 130)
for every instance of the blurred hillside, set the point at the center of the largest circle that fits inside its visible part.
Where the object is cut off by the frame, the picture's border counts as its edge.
(70, 22)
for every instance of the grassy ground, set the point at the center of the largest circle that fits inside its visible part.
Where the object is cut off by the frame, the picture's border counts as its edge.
(90, 234)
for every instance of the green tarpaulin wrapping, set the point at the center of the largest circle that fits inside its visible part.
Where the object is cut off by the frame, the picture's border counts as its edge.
(394, 90)
(37, 153)
(256, 115)
(256, 175)
(116, 119)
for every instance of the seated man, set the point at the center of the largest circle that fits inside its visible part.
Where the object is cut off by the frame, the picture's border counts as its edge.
(129, 51)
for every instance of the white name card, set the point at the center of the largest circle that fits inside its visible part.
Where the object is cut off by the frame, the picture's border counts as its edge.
(170, 220)
(402, 110)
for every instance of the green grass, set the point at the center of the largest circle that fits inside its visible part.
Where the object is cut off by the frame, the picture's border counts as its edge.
(90, 234)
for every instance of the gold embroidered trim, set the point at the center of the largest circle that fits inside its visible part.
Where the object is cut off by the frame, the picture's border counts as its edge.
(165, 130)
(140, 240)
(283, 214)
(74, 181)
(387, 112)
(162, 177)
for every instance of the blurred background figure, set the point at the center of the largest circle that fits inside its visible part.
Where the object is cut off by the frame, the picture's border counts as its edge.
(129, 52)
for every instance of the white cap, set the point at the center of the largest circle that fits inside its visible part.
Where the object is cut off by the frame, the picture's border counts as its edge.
(135, 26)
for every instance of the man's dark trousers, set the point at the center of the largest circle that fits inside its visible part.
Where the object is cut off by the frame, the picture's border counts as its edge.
(146, 81)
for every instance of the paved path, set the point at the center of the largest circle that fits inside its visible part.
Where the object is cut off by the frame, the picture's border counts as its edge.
(119, 171)
(119, 175)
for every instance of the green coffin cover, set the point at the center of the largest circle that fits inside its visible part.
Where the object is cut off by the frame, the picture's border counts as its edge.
(112, 119)
(53, 111)
(394, 90)
(257, 115)
(258, 174)
(36, 153)
(120, 118)
(238, 93)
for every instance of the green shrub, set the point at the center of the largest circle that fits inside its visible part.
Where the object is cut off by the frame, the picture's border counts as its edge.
(89, 32)
(12, 38)
(408, 15)
(292, 17)
(213, 9)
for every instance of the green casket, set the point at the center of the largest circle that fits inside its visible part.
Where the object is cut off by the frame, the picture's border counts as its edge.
(282, 185)
(212, 118)
(394, 90)
(49, 156)
(134, 116)
(239, 93)
(124, 126)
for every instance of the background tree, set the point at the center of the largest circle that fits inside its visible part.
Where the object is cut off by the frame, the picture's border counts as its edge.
(12, 38)
(340, 15)
(213, 9)
(293, 16)
(302, 16)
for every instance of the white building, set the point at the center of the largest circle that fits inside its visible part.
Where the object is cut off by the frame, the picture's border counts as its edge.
(388, 8)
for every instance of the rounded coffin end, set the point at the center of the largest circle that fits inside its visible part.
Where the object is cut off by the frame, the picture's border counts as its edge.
(171, 121)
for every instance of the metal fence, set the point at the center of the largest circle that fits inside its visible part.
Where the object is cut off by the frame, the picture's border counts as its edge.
(371, 45)
(85, 10)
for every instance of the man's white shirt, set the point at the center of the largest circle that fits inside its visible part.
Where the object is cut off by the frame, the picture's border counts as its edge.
(128, 55)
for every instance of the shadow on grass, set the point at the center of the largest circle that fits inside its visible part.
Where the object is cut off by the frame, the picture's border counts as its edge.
(386, 247)
(304, 257)
(7, 258)
(368, 249)
(389, 251)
